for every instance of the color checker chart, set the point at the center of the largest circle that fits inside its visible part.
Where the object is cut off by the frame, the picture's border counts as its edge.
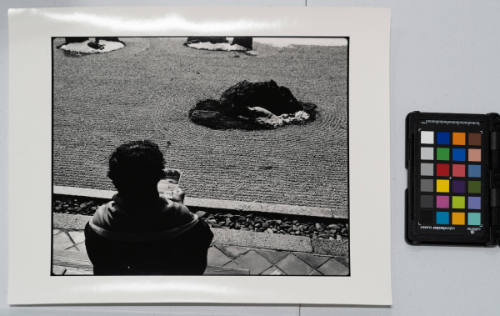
(450, 178)
(453, 193)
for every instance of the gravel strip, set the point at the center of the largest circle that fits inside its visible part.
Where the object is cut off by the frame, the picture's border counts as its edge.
(270, 223)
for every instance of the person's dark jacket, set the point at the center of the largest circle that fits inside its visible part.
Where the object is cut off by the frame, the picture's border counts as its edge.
(163, 238)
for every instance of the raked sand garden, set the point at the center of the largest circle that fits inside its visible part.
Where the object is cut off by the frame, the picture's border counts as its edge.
(145, 90)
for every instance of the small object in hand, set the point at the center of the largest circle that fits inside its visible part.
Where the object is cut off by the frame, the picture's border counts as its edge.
(170, 185)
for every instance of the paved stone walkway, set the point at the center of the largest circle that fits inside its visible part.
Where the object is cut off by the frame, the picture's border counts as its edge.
(70, 258)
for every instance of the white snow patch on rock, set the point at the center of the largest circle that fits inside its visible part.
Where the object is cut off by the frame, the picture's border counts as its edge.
(84, 48)
(261, 111)
(217, 46)
(291, 41)
(269, 119)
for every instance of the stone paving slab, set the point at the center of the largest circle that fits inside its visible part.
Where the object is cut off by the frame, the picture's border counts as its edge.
(62, 241)
(216, 257)
(273, 271)
(58, 270)
(228, 205)
(313, 260)
(333, 267)
(77, 236)
(291, 265)
(232, 251)
(71, 259)
(252, 261)
(213, 270)
(261, 240)
(273, 256)
(330, 247)
(69, 221)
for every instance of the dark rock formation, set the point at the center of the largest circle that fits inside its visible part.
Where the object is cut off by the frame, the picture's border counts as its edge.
(109, 39)
(202, 39)
(249, 105)
(267, 95)
(245, 41)
(69, 40)
(209, 113)
(95, 45)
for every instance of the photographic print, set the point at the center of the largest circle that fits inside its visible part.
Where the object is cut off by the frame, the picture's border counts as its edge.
(213, 155)
(199, 155)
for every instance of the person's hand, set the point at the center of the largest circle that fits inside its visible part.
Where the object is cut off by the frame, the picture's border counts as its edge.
(171, 190)
(178, 195)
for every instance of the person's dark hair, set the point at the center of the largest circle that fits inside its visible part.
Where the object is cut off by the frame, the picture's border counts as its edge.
(136, 165)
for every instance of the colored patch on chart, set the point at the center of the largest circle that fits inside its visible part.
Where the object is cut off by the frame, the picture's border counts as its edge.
(450, 178)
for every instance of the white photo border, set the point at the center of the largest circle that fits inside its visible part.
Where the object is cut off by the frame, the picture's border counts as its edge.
(30, 154)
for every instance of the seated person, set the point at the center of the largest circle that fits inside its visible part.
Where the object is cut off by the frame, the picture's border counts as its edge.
(140, 231)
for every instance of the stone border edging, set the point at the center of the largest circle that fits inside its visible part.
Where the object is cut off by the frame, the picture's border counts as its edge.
(238, 238)
(228, 205)
(244, 238)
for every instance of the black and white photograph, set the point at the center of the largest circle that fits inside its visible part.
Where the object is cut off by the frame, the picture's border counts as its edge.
(200, 155)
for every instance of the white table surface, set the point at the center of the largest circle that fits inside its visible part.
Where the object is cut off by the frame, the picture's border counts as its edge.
(445, 56)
